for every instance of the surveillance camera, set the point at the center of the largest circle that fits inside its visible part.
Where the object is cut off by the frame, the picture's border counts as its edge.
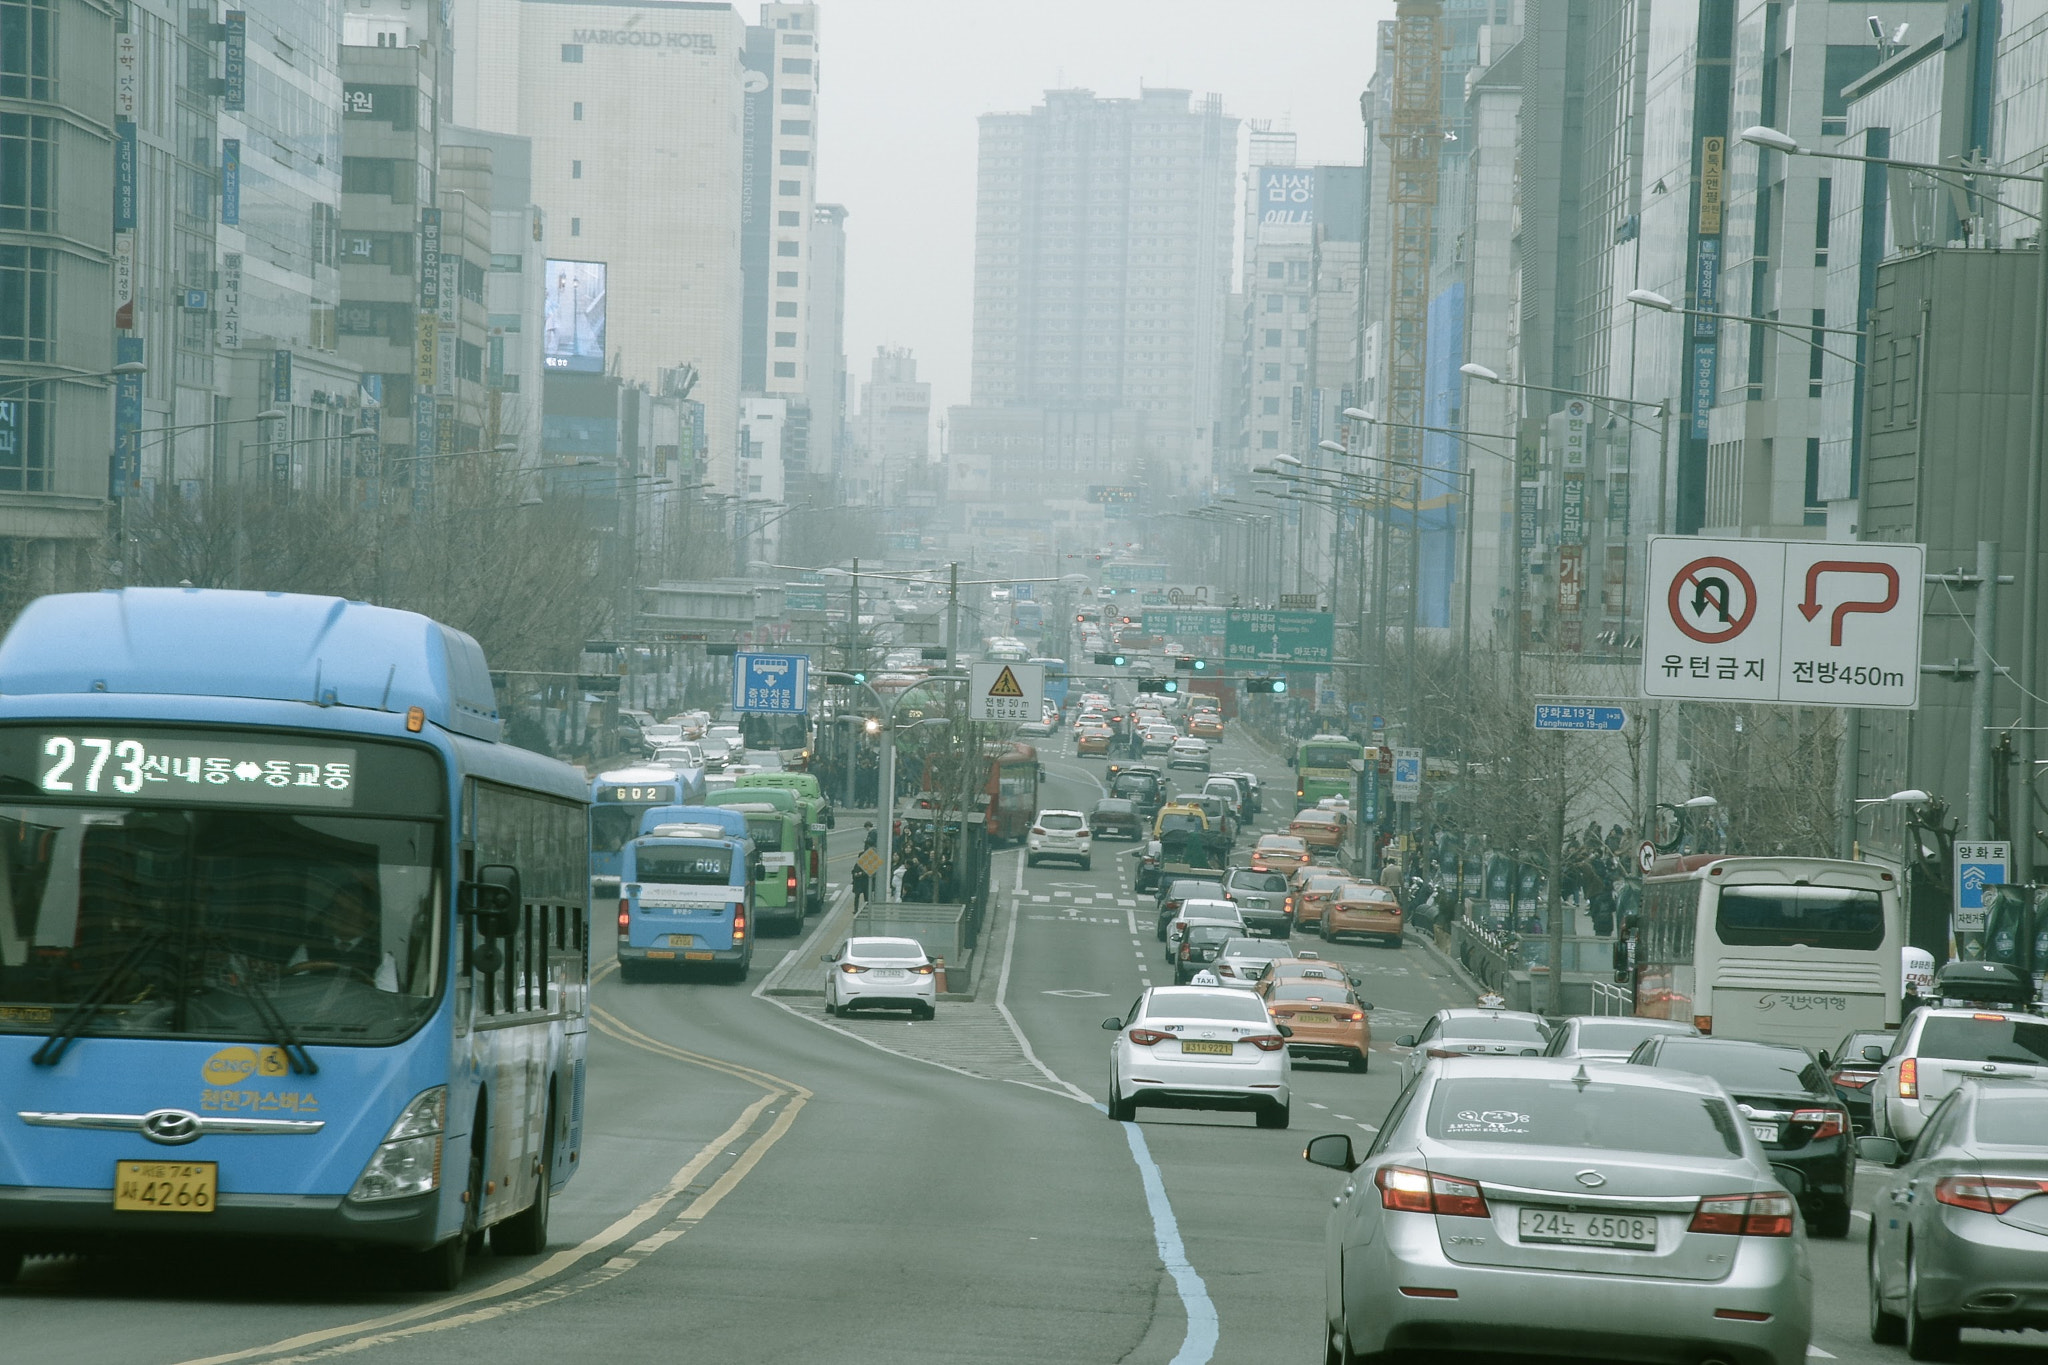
(1899, 35)
(1876, 28)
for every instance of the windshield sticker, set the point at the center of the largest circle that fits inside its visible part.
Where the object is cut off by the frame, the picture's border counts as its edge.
(1488, 1121)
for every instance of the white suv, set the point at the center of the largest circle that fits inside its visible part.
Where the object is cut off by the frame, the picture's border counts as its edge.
(1060, 834)
(1939, 1048)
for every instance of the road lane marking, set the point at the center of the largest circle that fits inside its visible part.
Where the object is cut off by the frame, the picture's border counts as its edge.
(1199, 1346)
(1818, 1353)
(1860, 1213)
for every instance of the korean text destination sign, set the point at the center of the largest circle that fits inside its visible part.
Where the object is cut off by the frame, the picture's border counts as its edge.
(1302, 637)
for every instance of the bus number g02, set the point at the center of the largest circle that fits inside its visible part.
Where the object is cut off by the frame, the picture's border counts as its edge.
(642, 793)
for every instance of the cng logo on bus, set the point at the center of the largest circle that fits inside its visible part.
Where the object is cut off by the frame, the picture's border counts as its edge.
(234, 1065)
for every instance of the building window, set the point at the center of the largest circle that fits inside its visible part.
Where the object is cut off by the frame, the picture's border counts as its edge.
(576, 111)
(26, 303)
(369, 175)
(785, 369)
(392, 250)
(1297, 271)
(28, 30)
(1270, 407)
(1273, 336)
(392, 321)
(796, 97)
(789, 187)
(470, 281)
(1273, 373)
(1301, 338)
(785, 279)
(1274, 303)
(790, 158)
(786, 248)
(27, 155)
(785, 309)
(796, 66)
(785, 338)
(575, 227)
(754, 484)
(575, 170)
(572, 52)
(1276, 270)
(469, 362)
(789, 218)
(508, 262)
(796, 127)
(24, 444)
(1269, 440)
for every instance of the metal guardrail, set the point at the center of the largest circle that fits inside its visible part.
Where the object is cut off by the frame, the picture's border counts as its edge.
(1488, 956)
(942, 929)
(1612, 999)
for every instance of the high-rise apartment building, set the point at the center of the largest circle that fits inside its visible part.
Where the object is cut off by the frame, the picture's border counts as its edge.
(825, 348)
(895, 430)
(781, 123)
(636, 116)
(1103, 250)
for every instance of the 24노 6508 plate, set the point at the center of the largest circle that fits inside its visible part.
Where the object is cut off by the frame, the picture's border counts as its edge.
(165, 1186)
(1578, 1228)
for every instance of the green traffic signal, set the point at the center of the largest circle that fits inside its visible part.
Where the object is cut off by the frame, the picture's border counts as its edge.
(1265, 685)
(1201, 665)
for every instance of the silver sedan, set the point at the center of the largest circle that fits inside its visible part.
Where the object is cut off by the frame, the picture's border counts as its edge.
(1961, 1237)
(1583, 1211)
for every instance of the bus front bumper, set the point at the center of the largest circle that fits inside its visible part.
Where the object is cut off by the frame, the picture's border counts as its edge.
(51, 1220)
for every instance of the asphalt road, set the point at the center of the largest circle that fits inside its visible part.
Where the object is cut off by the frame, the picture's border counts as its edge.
(762, 1183)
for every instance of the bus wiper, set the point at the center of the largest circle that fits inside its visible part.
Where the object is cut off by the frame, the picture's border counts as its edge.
(73, 1023)
(295, 1054)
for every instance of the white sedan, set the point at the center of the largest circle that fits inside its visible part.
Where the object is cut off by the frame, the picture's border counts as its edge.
(1199, 1047)
(893, 973)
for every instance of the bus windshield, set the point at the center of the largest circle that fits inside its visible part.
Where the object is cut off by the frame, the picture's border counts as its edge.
(684, 865)
(170, 922)
(1815, 916)
(1327, 755)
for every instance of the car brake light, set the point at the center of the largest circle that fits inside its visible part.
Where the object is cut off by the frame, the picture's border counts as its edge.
(1851, 1080)
(1412, 1191)
(925, 970)
(1442, 1052)
(1145, 1037)
(1184, 951)
(1038, 831)
(1909, 1079)
(1355, 1016)
(1996, 1018)
(1703, 1022)
(1267, 1042)
(1826, 1123)
(851, 967)
(1744, 1215)
(1986, 1193)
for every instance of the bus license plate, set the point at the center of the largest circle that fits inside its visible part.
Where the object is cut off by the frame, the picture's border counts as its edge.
(681, 940)
(1588, 1229)
(699, 957)
(1197, 1045)
(164, 1186)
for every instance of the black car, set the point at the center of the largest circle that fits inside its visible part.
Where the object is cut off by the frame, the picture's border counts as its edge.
(1185, 889)
(1787, 1099)
(1249, 785)
(1115, 818)
(1264, 899)
(1854, 1074)
(1198, 951)
(1142, 785)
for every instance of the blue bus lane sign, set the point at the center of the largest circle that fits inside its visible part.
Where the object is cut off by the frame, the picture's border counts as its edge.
(775, 683)
(1575, 717)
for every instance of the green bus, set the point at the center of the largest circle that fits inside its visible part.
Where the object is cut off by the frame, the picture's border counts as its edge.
(1322, 767)
(782, 841)
(817, 814)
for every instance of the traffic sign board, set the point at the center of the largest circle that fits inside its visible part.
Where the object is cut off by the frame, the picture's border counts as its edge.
(1551, 717)
(1014, 692)
(1807, 622)
(1978, 864)
(1407, 775)
(869, 861)
(1646, 856)
(770, 682)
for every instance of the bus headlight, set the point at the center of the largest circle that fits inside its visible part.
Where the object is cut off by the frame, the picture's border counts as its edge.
(408, 1161)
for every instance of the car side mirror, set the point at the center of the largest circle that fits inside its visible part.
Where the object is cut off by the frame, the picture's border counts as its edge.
(1874, 1053)
(1827, 1058)
(828, 957)
(1332, 1150)
(492, 899)
(1365, 1005)
(1112, 1025)
(1283, 1030)
(1405, 1040)
(1883, 1150)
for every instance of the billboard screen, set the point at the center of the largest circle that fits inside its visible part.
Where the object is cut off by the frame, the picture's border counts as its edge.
(1287, 196)
(573, 316)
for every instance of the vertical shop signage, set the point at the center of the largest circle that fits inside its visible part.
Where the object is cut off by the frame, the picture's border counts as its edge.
(231, 181)
(235, 64)
(127, 468)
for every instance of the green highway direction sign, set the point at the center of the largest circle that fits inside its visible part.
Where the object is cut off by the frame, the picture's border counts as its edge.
(1301, 637)
(1180, 622)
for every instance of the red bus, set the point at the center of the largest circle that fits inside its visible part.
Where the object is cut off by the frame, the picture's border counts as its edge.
(1012, 790)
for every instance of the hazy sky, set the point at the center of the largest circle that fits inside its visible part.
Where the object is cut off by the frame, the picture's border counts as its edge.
(904, 80)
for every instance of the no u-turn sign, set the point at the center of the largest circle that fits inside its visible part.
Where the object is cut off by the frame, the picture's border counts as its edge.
(1806, 622)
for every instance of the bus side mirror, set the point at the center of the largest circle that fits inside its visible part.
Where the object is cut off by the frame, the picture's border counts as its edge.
(493, 899)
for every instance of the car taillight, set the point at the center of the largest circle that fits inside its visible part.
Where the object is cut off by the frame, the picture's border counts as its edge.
(1909, 1079)
(1851, 1080)
(1744, 1215)
(1826, 1123)
(1226, 969)
(1354, 1017)
(1038, 830)
(1413, 1191)
(1267, 1042)
(1145, 1037)
(1986, 1193)
(926, 970)
(851, 967)
(1184, 951)
(625, 917)
(1442, 1052)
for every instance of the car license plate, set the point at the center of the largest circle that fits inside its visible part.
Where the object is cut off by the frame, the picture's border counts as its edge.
(699, 957)
(1312, 1020)
(663, 954)
(886, 974)
(1589, 1229)
(165, 1186)
(1765, 1132)
(681, 940)
(1198, 1045)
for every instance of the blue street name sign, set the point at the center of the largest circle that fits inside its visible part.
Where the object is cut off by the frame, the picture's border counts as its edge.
(770, 682)
(1580, 717)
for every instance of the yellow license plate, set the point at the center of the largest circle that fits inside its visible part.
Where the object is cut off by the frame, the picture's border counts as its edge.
(165, 1186)
(699, 957)
(1197, 1045)
(681, 940)
(663, 953)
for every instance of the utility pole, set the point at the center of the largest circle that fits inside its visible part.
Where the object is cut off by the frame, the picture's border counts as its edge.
(1977, 813)
(1553, 901)
(952, 611)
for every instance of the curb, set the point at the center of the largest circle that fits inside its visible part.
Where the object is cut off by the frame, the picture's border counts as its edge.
(1451, 965)
(834, 925)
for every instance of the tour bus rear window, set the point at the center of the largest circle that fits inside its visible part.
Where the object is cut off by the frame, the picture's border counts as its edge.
(1327, 756)
(684, 864)
(1814, 916)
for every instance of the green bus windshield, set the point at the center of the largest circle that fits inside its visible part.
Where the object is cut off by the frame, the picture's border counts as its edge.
(1329, 755)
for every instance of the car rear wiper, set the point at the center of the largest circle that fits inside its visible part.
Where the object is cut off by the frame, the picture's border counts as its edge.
(295, 1054)
(73, 1023)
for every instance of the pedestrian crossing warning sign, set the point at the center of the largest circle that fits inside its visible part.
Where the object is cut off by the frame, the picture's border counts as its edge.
(1007, 692)
(869, 861)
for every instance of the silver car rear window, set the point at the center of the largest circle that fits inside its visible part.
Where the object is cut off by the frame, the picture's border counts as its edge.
(1563, 1113)
(2013, 1121)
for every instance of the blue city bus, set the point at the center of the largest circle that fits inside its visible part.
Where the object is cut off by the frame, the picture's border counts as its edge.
(1055, 679)
(617, 800)
(296, 947)
(1027, 619)
(687, 899)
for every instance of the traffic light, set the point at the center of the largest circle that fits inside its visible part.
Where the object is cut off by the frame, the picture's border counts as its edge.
(1158, 684)
(1113, 660)
(1192, 665)
(846, 679)
(1265, 685)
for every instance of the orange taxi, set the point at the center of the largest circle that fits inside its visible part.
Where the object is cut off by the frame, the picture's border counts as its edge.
(1314, 895)
(1278, 853)
(1092, 739)
(1328, 1019)
(1205, 725)
(1366, 909)
(1318, 828)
